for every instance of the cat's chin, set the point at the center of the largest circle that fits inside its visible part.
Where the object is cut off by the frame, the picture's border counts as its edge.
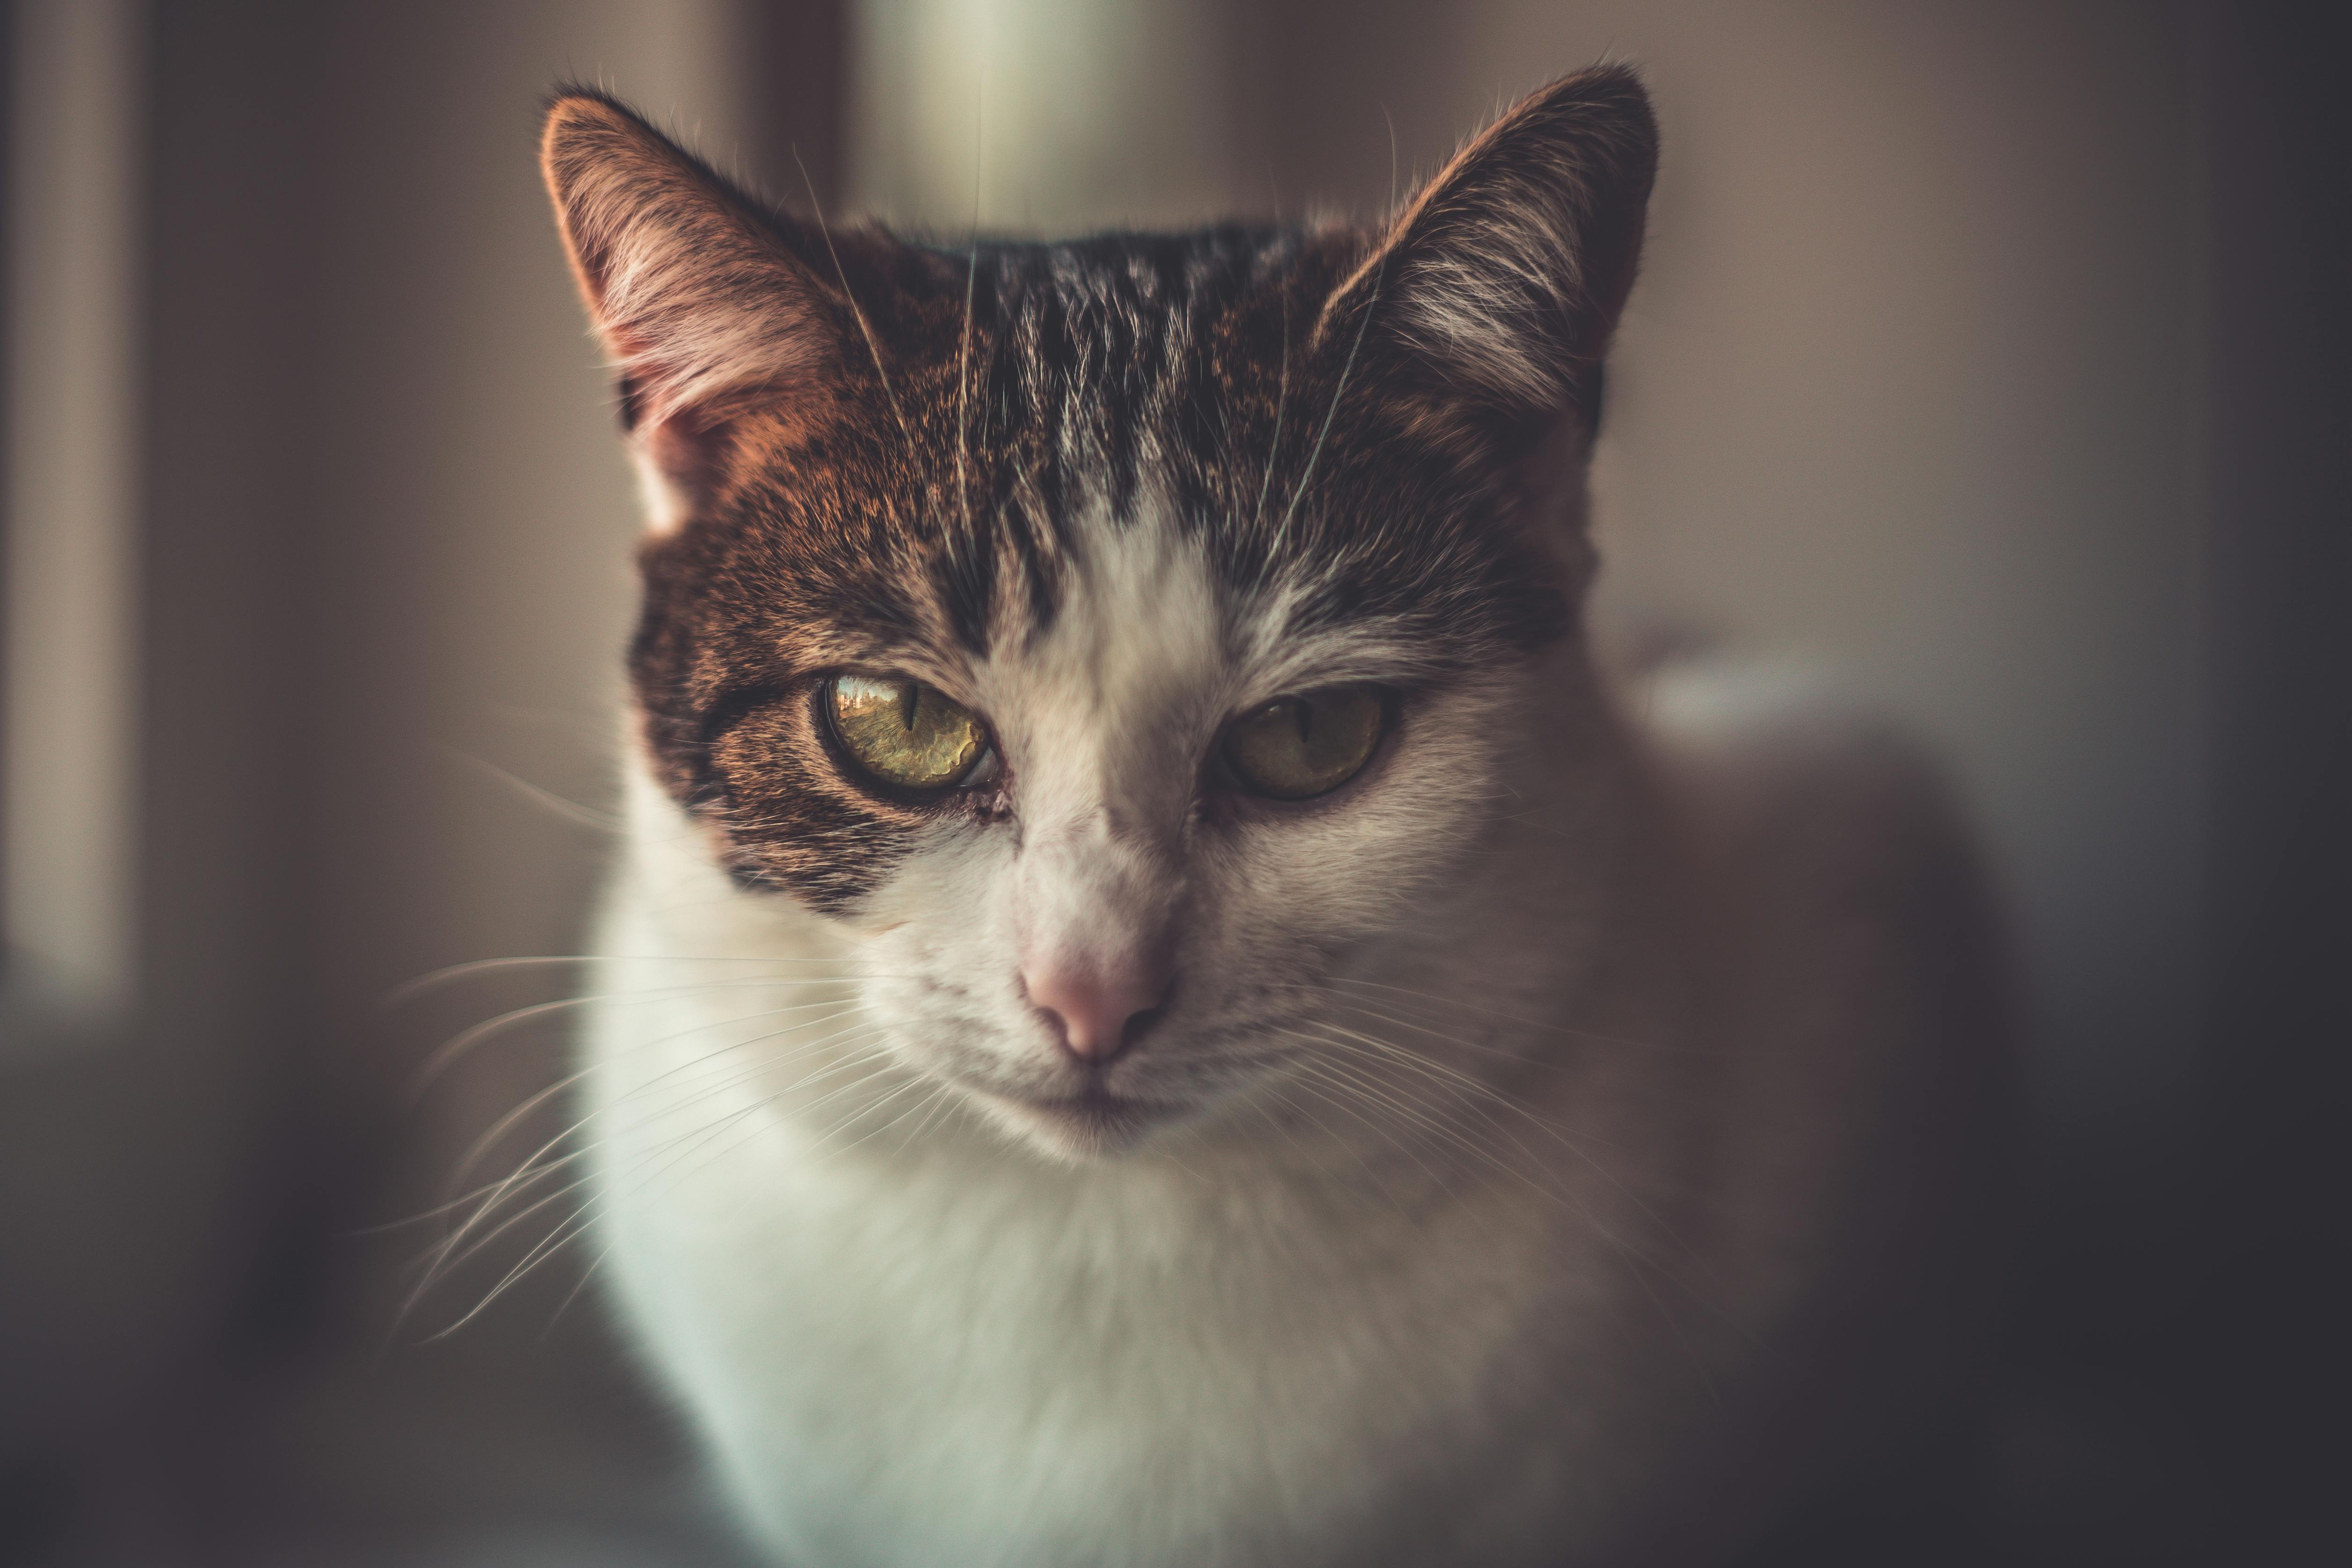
(1081, 1128)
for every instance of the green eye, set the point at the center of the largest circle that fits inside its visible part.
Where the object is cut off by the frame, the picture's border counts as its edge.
(904, 732)
(1296, 748)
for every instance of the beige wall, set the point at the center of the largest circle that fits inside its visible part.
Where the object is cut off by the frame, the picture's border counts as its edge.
(385, 550)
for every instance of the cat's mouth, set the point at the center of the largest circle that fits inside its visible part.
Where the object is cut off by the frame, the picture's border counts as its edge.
(1093, 1123)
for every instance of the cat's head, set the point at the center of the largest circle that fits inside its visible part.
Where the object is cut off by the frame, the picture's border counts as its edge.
(1109, 638)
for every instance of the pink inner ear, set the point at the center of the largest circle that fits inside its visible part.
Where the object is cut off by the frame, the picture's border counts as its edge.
(690, 287)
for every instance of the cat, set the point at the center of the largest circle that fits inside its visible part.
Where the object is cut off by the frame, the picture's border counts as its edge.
(1160, 1008)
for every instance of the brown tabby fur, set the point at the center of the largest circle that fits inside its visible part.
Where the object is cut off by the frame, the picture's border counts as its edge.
(889, 460)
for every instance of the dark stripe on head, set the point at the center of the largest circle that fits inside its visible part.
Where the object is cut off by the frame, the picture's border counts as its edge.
(890, 453)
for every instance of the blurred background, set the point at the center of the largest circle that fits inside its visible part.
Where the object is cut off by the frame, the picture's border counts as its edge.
(1991, 354)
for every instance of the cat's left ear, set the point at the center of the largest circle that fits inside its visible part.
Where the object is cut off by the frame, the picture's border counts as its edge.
(1492, 297)
(690, 287)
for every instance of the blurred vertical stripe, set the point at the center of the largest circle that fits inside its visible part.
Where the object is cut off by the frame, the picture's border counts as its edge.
(67, 721)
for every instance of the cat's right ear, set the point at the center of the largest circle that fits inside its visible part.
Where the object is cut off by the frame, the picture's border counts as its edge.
(1492, 297)
(688, 288)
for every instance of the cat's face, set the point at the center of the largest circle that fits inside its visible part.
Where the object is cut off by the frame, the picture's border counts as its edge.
(1110, 639)
(1115, 926)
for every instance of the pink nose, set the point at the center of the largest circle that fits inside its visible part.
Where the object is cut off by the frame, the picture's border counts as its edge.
(1099, 1013)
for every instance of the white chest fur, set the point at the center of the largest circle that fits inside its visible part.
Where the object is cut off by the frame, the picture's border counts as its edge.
(908, 1343)
(953, 1353)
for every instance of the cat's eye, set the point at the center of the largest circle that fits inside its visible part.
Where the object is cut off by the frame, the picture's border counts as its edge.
(905, 734)
(1296, 748)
